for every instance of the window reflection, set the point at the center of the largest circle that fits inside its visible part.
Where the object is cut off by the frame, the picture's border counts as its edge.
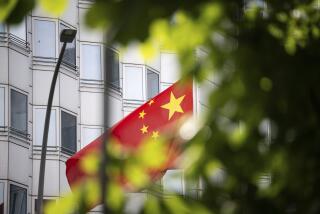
(69, 56)
(19, 112)
(68, 133)
(18, 200)
(152, 84)
(112, 66)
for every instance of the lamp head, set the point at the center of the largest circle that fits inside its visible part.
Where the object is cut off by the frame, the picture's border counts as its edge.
(67, 35)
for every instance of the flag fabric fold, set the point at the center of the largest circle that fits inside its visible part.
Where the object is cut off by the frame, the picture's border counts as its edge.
(147, 121)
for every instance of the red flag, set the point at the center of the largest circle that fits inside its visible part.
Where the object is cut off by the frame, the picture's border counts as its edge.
(149, 120)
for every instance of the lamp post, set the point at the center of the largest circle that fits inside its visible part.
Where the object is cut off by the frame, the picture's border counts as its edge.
(66, 36)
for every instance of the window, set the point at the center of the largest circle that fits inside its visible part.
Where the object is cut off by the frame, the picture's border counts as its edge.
(18, 200)
(173, 181)
(19, 30)
(1, 106)
(133, 83)
(2, 28)
(91, 62)
(40, 115)
(152, 84)
(1, 198)
(68, 133)
(69, 56)
(112, 68)
(19, 112)
(90, 134)
(44, 39)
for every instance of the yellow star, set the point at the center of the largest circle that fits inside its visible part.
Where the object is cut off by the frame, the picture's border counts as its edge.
(151, 102)
(141, 114)
(144, 129)
(155, 134)
(174, 105)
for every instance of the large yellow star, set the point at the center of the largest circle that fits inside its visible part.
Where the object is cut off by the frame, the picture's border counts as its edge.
(174, 105)
(144, 129)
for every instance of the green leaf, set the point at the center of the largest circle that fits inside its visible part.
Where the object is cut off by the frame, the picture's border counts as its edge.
(56, 7)
(5, 8)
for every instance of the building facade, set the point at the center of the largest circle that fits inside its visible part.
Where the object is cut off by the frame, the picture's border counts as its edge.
(28, 55)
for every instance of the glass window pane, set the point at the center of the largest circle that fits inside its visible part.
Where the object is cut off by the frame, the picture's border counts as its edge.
(133, 86)
(90, 134)
(2, 27)
(173, 181)
(152, 84)
(112, 68)
(1, 106)
(19, 30)
(18, 200)
(40, 115)
(90, 62)
(69, 56)
(1, 198)
(68, 132)
(19, 111)
(44, 38)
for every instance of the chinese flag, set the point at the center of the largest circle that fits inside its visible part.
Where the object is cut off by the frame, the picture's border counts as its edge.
(147, 121)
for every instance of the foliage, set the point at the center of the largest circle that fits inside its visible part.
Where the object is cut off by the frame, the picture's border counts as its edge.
(264, 62)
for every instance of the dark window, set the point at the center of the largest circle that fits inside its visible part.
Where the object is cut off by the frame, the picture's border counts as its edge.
(18, 112)
(68, 133)
(18, 200)
(69, 56)
(152, 84)
(112, 68)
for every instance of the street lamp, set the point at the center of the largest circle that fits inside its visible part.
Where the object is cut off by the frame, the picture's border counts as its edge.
(66, 36)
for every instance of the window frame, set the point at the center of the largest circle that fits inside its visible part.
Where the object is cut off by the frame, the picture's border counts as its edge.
(82, 63)
(125, 65)
(145, 68)
(115, 52)
(9, 194)
(60, 44)
(34, 37)
(64, 149)
(156, 72)
(19, 132)
(5, 27)
(4, 107)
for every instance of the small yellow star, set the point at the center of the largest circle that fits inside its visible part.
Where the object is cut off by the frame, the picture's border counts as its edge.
(144, 129)
(174, 105)
(151, 102)
(155, 134)
(142, 114)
